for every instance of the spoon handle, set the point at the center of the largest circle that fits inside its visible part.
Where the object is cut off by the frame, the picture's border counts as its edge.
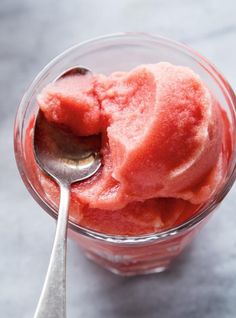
(52, 302)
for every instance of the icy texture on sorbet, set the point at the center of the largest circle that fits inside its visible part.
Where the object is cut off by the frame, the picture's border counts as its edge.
(72, 103)
(161, 132)
(162, 139)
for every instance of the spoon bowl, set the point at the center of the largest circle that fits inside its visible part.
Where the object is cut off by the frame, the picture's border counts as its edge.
(62, 155)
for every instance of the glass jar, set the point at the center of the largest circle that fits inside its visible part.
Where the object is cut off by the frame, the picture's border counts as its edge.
(128, 255)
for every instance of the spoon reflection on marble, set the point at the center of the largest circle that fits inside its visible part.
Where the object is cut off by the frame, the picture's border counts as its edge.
(67, 159)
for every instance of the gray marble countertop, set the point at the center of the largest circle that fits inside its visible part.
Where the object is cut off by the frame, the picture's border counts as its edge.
(202, 282)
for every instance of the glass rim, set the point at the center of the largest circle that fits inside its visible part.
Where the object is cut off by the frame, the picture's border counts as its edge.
(203, 211)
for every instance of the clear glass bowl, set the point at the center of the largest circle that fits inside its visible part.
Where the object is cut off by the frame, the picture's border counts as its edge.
(128, 255)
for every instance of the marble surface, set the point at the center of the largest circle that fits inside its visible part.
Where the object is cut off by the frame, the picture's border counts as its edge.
(202, 282)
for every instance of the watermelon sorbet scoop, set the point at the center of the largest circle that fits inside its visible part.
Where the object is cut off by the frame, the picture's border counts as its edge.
(162, 146)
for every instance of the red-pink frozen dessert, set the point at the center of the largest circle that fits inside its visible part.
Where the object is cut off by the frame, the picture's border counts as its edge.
(163, 146)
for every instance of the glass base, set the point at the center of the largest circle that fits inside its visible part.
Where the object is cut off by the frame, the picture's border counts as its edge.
(135, 273)
(128, 270)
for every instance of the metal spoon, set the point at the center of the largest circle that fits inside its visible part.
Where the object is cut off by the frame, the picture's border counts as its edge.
(67, 159)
